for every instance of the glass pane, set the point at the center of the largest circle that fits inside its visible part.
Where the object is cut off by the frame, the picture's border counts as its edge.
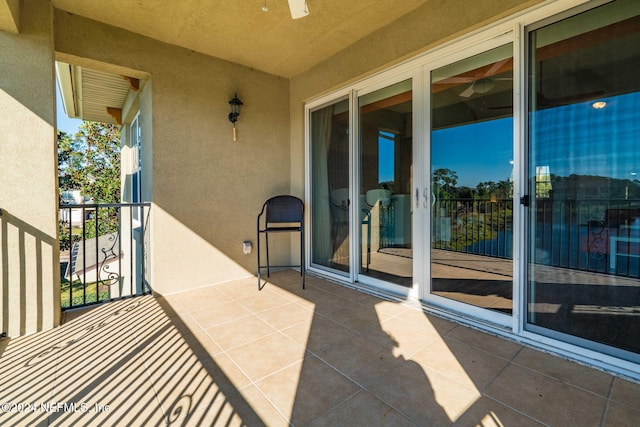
(584, 140)
(330, 186)
(472, 180)
(385, 184)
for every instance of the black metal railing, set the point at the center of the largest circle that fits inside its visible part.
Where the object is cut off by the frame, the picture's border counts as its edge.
(103, 252)
(476, 226)
(596, 235)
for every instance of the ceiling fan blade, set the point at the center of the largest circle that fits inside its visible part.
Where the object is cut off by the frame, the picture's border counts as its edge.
(493, 70)
(298, 8)
(468, 91)
(455, 79)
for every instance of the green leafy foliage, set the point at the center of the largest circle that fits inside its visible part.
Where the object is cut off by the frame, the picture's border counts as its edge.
(89, 161)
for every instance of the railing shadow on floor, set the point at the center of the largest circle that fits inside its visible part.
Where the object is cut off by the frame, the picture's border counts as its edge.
(130, 362)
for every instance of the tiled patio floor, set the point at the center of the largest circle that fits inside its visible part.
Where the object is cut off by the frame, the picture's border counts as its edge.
(230, 355)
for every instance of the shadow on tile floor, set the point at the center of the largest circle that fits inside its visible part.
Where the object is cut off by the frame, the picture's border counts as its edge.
(229, 354)
(131, 362)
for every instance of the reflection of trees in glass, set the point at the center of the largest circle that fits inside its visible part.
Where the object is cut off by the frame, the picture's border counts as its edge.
(474, 221)
(594, 187)
(474, 214)
(444, 180)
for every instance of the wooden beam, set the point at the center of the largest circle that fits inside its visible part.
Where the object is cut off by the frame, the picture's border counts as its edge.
(134, 84)
(116, 113)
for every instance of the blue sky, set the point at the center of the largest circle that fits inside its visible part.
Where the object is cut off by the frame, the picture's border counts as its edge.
(572, 139)
(477, 153)
(63, 122)
(386, 158)
(579, 139)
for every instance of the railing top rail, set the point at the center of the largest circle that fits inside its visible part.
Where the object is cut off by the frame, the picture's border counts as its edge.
(104, 205)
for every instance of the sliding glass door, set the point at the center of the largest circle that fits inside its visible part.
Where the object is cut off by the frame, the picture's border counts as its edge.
(330, 201)
(497, 179)
(584, 164)
(385, 179)
(471, 178)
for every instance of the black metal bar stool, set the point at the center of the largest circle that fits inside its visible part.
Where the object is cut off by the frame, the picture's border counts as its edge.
(282, 214)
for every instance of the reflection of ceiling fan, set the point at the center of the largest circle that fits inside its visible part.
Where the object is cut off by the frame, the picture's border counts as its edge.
(298, 8)
(483, 85)
(481, 80)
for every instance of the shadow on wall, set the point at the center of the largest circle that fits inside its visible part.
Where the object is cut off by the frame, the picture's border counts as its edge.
(27, 257)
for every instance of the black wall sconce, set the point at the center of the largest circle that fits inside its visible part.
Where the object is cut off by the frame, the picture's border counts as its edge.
(235, 112)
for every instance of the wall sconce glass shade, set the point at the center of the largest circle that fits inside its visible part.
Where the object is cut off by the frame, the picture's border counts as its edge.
(235, 109)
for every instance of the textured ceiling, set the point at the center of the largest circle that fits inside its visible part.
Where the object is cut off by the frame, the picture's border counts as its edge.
(239, 31)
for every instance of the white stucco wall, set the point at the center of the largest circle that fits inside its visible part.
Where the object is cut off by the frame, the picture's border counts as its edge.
(29, 273)
(206, 189)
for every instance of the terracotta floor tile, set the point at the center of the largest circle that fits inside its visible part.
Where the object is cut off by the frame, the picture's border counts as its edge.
(362, 410)
(428, 325)
(264, 300)
(307, 389)
(626, 393)
(265, 413)
(356, 318)
(238, 289)
(361, 360)
(424, 396)
(195, 298)
(239, 332)
(545, 399)
(266, 355)
(621, 416)
(230, 370)
(489, 343)
(403, 338)
(213, 314)
(322, 332)
(461, 362)
(152, 362)
(489, 413)
(286, 316)
(388, 309)
(570, 372)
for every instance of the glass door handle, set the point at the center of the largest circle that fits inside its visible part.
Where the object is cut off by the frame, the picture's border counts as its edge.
(425, 197)
(417, 197)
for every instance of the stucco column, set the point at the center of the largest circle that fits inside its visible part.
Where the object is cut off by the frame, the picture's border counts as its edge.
(29, 253)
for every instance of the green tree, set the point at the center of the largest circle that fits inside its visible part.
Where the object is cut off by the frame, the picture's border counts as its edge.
(90, 162)
(444, 182)
(100, 176)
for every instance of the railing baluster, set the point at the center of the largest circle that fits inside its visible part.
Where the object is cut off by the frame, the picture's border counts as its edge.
(71, 263)
(119, 282)
(131, 240)
(84, 258)
(142, 263)
(98, 266)
(105, 251)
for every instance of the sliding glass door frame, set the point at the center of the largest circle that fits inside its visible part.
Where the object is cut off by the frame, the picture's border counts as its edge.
(416, 87)
(511, 323)
(513, 30)
(310, 108)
